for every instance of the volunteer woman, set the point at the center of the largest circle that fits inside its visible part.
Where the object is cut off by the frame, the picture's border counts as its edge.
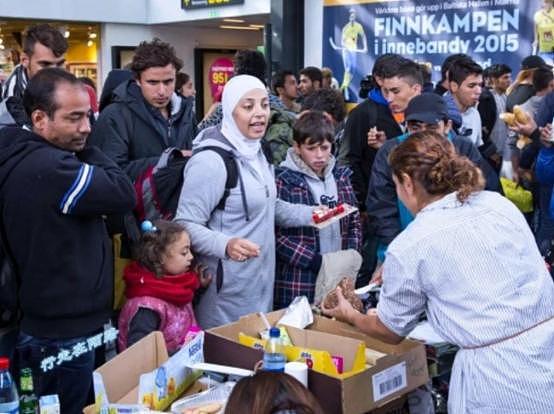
(237, 242)
(470, 262)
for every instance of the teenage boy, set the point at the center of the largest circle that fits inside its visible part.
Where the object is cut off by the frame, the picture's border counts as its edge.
(465, 79)
(427, 111)
(309, 175)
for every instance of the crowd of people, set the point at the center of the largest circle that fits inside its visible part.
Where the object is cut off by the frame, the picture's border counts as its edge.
(422, 164)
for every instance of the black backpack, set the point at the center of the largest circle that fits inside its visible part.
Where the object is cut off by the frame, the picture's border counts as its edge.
(159, 187)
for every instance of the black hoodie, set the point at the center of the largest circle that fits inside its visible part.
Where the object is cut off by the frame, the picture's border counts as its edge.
(52, 202)
(132, 134)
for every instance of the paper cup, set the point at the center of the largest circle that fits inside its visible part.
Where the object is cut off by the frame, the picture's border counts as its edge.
(298, 370)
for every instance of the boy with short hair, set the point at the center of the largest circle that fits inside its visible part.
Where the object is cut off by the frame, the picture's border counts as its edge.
(309, 175)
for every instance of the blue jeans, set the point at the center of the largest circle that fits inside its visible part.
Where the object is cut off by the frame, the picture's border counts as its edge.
(71, 380)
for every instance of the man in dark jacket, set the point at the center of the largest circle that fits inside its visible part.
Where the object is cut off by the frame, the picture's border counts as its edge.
(147, 116)
(54, 192)
(427, 111)
(374, 112)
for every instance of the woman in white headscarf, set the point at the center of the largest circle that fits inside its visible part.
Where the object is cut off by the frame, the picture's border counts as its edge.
(236, 242)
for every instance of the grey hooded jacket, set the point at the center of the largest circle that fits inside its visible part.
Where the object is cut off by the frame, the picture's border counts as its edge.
(244, 287)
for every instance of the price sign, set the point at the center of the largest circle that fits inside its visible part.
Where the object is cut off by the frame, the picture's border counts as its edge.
(221, 70)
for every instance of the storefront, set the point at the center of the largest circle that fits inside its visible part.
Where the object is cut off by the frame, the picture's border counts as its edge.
(83, 40)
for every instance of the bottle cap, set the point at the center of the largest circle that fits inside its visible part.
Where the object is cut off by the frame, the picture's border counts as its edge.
(4, 363)
(274, 332)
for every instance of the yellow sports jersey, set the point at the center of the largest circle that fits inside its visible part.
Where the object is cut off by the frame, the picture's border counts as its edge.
(350, 33)
(544, 23)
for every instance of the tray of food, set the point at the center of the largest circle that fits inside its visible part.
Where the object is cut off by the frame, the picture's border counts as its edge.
(211, 401)
(322, 217)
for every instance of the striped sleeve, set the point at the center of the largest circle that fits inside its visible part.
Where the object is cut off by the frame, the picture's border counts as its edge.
(77, 188)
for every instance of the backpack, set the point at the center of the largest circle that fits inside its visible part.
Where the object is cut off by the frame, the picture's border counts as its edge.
(159, 187)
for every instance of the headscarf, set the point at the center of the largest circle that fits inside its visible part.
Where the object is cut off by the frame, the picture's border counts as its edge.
(234, 90)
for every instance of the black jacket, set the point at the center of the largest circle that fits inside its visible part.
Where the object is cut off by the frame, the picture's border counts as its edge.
(131, 134)
(358, 155)
(52, 202)
(382, 201)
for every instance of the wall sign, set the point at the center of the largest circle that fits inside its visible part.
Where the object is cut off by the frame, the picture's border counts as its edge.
(355, 32)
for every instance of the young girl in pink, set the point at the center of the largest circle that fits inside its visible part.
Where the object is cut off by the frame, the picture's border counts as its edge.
(160, 286)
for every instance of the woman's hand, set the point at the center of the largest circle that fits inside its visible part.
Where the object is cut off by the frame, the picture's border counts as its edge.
(203, 276)
(377, 276)
(343, 311)
(242, 249)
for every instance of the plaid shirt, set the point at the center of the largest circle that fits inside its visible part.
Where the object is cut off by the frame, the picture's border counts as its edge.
(298, 258)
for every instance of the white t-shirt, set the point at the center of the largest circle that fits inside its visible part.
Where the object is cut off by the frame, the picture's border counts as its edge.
(471, 120)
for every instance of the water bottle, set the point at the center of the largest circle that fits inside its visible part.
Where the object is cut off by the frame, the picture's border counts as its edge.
(9, 400)
(28, 403)
(274, 359)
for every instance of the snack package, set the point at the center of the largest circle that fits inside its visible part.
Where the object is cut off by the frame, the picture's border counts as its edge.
(298, 314)
(160, 387)
(211, 401)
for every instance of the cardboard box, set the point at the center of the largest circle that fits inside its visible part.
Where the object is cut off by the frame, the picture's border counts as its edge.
(396, 406)
(126, 379)
(402, 369)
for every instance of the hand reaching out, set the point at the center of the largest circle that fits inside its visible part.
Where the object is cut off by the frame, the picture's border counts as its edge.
(375, 139)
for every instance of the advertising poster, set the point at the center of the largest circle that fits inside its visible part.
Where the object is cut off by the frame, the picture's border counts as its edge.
(490, 31)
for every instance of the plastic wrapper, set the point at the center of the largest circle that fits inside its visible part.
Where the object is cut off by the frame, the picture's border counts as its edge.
(298, 314)
(214, 397)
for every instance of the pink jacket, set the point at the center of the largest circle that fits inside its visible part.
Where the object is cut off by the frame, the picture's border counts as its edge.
(175, 321)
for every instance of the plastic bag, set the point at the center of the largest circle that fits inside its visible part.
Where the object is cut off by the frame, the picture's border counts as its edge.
(522, 198)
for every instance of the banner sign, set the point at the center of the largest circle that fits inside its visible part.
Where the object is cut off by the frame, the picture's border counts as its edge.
(490, 31)
(202, 4)
(221, 70)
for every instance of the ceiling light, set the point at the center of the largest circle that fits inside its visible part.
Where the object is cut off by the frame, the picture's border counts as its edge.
(92, 35)
(238, 27)
(1, 40)
(90, 43)
(258, 26)
(2, 47)
(66, 34)
(233, 20)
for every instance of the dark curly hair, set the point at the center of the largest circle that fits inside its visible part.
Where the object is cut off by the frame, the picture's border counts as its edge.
(250, 62)
(153, 244)
(432, 162)
(154, 54)
(46, 35)
(326, 100)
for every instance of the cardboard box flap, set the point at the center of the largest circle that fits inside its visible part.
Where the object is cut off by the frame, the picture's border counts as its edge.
(142, 357)
(324, 324)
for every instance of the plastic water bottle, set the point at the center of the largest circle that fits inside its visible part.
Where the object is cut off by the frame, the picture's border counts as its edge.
(9, 400)
(274, 359)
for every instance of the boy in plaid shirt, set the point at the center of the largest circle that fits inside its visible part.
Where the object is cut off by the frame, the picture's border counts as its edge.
(309, 175)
